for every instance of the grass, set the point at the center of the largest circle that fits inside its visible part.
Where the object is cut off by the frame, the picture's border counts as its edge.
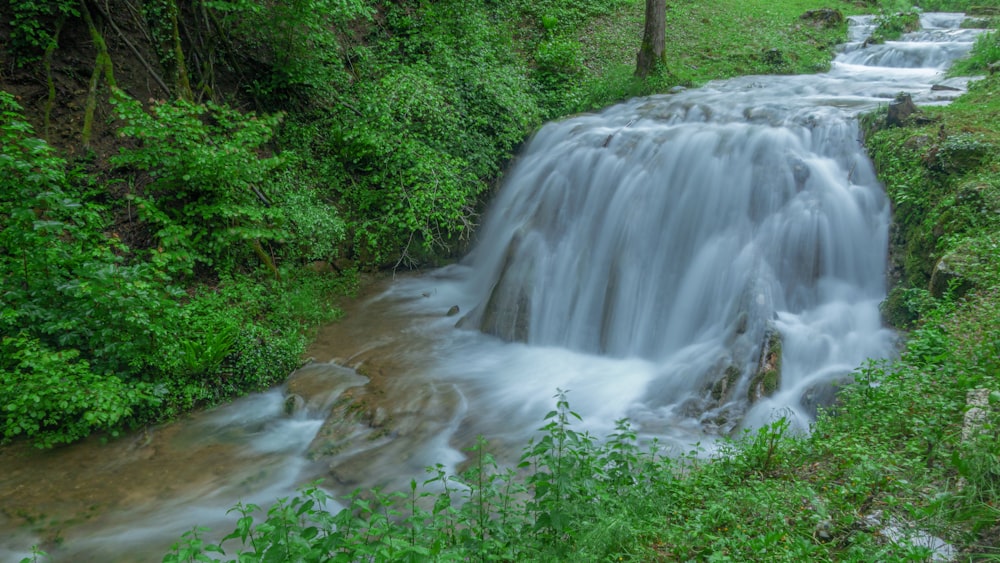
(707, 41)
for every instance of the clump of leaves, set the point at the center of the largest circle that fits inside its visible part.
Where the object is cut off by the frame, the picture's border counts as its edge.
(892, 25)
(985, 52)
(35, 24)
(204, 199)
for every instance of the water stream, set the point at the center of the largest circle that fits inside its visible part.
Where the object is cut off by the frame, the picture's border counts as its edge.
(646, 258)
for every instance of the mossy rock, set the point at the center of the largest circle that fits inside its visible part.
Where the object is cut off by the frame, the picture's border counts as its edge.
(961, 153)
(971, 265)
(948, 276)
(724, 386)
(768, 377)
(980, 11)
(824, 18)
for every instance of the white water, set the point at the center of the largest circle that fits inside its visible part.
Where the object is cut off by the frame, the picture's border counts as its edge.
(631, 257)
(639, 252)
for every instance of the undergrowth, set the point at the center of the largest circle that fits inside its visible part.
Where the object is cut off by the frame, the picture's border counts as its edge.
(856, 489)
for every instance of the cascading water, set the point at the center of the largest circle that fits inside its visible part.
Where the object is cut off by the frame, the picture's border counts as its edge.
(684, 232)
(649, 258)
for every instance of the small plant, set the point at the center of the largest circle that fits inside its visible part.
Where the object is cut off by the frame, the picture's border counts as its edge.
(892, 25)
(985, 51)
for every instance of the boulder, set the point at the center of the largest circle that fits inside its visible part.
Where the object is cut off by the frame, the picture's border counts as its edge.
(950, 274)
(823, 394)
(723, 388)
(506, 314)
(978, 403)
(316, 386)
(824, 18)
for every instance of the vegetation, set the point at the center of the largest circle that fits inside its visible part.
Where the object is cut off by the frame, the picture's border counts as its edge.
(892, 25)
(166, 267)
(893, 465)
(380, 129)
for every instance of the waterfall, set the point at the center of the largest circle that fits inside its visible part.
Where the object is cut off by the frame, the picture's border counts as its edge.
(684, 242)
(662, 260)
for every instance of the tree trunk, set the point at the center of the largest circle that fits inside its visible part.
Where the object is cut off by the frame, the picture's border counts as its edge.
(653, 49)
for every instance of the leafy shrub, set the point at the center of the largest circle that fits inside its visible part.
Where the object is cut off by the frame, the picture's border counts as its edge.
(54, 397)
(93, 341)
(985, 51)
(262, 358)
(34, 23)
(204, 198)
(295, 45)
(892, 25)
(438, 107)
(572, 485)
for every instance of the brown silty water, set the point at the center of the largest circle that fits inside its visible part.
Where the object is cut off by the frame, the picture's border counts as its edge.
(129, 499)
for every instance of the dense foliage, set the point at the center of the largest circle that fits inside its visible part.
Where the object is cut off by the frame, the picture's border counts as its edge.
(854, 490)
(382, 128)
(97, 335)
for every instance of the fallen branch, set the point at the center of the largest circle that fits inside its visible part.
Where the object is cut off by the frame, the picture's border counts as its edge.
(102, 65)
(106, 14)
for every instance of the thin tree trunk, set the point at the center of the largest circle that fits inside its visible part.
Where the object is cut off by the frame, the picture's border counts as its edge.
(183, 83)
(47, 62)
(101, 66)
(653, 48)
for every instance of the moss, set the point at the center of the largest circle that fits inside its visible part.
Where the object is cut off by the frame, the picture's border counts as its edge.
(768, 377)
(724, 385)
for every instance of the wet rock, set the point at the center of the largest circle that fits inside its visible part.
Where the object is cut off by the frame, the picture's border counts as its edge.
(768, 376)
(677, 90)
(944, 88)
(801, 172)
(822, 394)
(507, 312)
(454, 310)
(949, 275)
(900, 109)
(318, 385)
(364, 442)
(344, 427)
(824, 18)
(723, 388)
(294, 404)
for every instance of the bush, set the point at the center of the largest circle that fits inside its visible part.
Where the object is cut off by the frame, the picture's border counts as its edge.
(54, 397)
(204, 199)
(985, 51)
